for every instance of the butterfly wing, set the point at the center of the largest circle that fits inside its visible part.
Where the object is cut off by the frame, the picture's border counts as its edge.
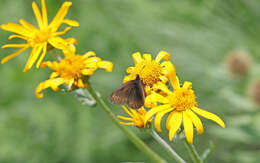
(121, 95)
(131, 93)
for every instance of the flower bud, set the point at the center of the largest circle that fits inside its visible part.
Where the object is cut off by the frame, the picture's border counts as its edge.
(254, 91)
(238, 63)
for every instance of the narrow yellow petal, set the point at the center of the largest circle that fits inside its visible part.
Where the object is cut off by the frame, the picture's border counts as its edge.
(71, 22)
(128, 78)
(87, 71)
(155, 97)
(163, 79)
(58, 42)
(63, 32)
(108, 66)
(54, 75)
(127, 111)
(7, 58)
(175, 123)
(28, 26)
(153, 111)
(170, 71)
(209, 115)
(44, 14)
(46, 84)
(125, 118)
(128, 123)
(33, 57)
(176, 84)
(17, 36)
(162, 87)
(89, 54)
(162, 55)
(147, 57)
(158, 118)
(187, 85)
(195, 120)
(137, 57)
(37, 15)
(16, 28)
(58, 19)
(130, 69)
(15, 45)
(188, 128)
(42, 55)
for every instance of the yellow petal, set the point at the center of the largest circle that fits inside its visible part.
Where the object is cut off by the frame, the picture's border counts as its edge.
(28, 26)
(187, 85)
(163, 79)
(127, 111)
(137, 57)
(195, 120)
(176, 84)
(153, 111)
(11, 27)
(108, 66)
(162, 55)
(155, 97)
(158, 118)
(128, 123)
(17, 36)
(147, 57)
(15, 45)
(33, 57)
(89, 54)
(170, 71)
(175, 123)
(58, 19)
(128, 78)
(87, 71)
(7, 58)
(125, 118)
(63, 32)
(42, 56)
(37, 14)
(44, 14)
(209, 115)
(54, 75)
(188, 128)
(130, 69)
(71, 22)
(58, 42)
(46, 84)
(162, 87)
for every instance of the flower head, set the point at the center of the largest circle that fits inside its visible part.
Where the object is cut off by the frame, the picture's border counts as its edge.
(72, 71)
(150, 71)
(181, 105)
(137, 117)
(39, 38)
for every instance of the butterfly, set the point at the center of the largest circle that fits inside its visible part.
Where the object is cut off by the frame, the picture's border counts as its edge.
(131, 93)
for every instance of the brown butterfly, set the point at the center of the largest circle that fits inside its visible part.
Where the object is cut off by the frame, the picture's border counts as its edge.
(131, 93)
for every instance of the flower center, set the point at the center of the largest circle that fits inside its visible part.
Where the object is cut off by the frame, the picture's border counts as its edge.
(149, 71)
(71, 67)
(41, 36)
(183, 99)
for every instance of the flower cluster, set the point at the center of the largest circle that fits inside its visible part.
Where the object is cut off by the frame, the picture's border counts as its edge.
(73, 69)
(179, 104)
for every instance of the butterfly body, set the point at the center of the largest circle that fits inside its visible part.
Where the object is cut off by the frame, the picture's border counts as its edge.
(131, 93)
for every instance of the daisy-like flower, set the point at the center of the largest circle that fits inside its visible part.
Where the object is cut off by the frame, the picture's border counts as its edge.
(181, 105)
(136, 117)
(73, 70)
(39, 39)
(150, 71)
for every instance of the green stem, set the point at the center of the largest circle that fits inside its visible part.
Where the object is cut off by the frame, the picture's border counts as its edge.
(167, 147)
(193, 152)
(136, 140)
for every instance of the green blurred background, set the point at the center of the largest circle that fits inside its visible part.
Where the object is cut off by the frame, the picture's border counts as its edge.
(198, 33)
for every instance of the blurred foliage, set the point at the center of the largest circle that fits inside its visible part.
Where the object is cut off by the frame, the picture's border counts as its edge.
(198, 34)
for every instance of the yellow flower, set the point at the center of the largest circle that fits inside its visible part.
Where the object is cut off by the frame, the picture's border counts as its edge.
(181, 106)
(73, 70)
(39, 39)
(137, 117)
(150, 71)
